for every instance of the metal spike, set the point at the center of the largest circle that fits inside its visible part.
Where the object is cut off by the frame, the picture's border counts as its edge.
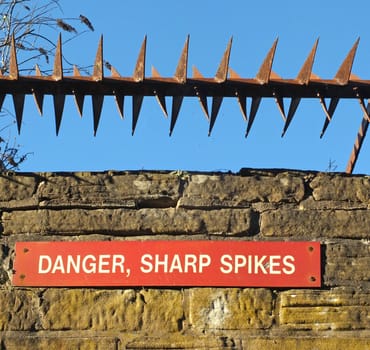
(176, 105)
(196, 73)
(280, 104)
(58, 66)
(221, 74)
(2, 98)
(182, 66)
(79, 98)
(139, 72)
(263, 75)
(323, 105)
(159, 97)
(97, 104)
(18, 101)
(344, 71)
(114, 72)
(59, 100)
(13, 64)
(137, 101)
(304, 74)
(203, 103)
(252, 114)
(242, 102)
(216, 104)
(98, 73)
(292, 109)
(38, 96)
(233, 74)
(119, 103)
(359, 141)
(155, 73)
(364, 109)
(332, 106)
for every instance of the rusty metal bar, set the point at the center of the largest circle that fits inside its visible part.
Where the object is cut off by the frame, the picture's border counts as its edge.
(225, 83)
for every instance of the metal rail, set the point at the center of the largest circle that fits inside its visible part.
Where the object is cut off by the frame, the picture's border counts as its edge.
(225, 83)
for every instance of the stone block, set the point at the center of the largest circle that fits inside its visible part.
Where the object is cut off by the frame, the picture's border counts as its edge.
(223, 190)
(16, 187)
(230, 309)
(335, 309)
(18, 310)
(126, 221)
(109, 190)
(286, 222)
(118, 310)
(307, 343)
(347, 263)
(335, 187)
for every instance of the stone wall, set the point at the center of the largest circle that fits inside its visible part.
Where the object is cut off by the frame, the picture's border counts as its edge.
(251, 205)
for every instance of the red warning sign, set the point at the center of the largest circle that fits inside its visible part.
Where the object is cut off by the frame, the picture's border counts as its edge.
(167, 263)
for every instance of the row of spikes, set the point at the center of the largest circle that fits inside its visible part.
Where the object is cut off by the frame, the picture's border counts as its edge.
(223, 74)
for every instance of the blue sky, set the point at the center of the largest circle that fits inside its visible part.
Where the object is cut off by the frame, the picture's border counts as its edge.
(254, 26)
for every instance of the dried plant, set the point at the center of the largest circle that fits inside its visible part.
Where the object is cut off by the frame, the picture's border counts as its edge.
(33, 24)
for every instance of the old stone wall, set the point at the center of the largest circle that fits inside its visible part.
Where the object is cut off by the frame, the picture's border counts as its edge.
(251, 205)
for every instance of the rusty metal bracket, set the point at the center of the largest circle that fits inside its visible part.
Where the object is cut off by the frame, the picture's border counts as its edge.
(225, 83)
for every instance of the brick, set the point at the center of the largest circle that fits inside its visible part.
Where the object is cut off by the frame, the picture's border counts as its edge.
(222, 190)
(341, 188)
(110, 190)
(119, 310)
(336, 309)
(233, 308)
(287, 222)
(347, 263)
(18, 310)
(126, 221)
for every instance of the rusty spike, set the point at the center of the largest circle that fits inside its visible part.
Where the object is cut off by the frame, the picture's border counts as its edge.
(2, 98)
(176, 105)
(364, 109)
(280, 104)
(252, 114)
(263, 75)
(97, 104)
(114, 72)
(196, 73)
(18, 101)
(304, 74)
(79, 98)
(59, 100)
(58, 66)
(38, 96)
(221, 74)
(203, 103)
(159, 97)
(182, 66)
(139, 72)
(118, 98)
(344, 71)
(359, 141)
(292, 109)
(216, 104)
(137, 101)
(233, 74)
(330, 111)
(242, 102)
(13, 64)
(98, 65)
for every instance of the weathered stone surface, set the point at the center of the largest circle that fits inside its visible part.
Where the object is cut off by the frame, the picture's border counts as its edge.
(222, 190)
(316, 223)
(336, 309)
(120, 310)
(233, 308)
(347, 263)
(18, 310)
(110, 190)
(16, 187)
(126, 221)
(341, 188)
(307, 343)
(59, 342)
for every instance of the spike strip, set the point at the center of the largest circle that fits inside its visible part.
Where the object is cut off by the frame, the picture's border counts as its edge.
(266, 84)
